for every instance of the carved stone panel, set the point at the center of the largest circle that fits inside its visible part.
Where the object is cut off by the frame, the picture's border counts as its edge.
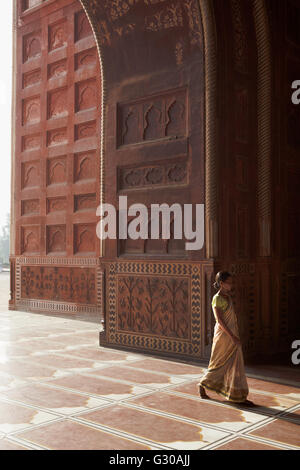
(85, 130)
(58, 35)
(31, 142)
(86, 95)
(57, 69)
(31, 110)
(85, 166)
(86, 58)
(82, 26)
(57, 103)
(30, 239)
(166, 174)
(154, 306)
(57, 170)
(85, 239)
(84, 202)
(153, 118)
(30, 207)
(74, 285)
(56, 239)
(30, 174)
(31, 78)
(32, 46)
(56, 204)
(57, 137)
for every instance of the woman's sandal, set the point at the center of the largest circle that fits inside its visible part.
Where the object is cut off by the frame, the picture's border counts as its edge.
(202, 392)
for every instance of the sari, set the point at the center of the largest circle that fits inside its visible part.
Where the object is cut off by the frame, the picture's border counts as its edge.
(226, 372)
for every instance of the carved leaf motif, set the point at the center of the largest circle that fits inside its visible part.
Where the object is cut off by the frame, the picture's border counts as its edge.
(177, 173)
(133, 178)
(155, 175)
(58, 37)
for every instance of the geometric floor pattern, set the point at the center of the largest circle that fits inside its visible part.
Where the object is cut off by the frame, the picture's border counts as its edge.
(59, 390)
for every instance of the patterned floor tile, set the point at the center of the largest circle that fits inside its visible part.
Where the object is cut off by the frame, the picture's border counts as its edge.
(64, 362)
(99, 387)
(98, 354)
(5, 444)
(167, 431)
(60, 401)
(246, 444)
(14, 417)
(275, 388)
(223, 417)
(265, 404)
(24, 369)
(74, 436)
(281, 431)
(151, 379)
(170, 367)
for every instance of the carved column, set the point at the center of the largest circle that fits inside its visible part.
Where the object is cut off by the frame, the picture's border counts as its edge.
(89, 8)
(264, 125)
(211, 195)
(264, 108)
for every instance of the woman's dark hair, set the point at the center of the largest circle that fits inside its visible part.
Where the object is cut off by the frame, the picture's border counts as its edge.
(222, 276)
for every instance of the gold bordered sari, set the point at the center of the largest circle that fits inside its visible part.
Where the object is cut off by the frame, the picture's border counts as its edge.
(226, 372)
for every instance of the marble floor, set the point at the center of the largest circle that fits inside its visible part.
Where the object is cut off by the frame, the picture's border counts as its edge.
(60, 390)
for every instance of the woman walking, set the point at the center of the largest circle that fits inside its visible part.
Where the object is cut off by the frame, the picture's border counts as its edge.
(226, 372)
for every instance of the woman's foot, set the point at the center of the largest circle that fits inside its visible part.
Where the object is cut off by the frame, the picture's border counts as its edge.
(202, 392)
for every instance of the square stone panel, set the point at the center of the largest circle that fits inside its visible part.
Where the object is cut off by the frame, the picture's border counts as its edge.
(57, 137)
(30, 239)
(57, 69)
(58, 35)
(57, 170)
(82, 26)
(31, 110)
(85, 130)
(30, 174)
(85, 238)
(32, 78)
(32, 45)
(31, 142)
(56, 238)
(86, 95)
(57, 103)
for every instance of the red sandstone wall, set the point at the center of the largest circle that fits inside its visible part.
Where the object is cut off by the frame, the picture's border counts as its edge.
(56, 160)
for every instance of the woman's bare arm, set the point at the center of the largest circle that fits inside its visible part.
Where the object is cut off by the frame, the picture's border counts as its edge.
(219, 316)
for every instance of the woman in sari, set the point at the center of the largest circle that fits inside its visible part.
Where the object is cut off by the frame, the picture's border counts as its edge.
(226, 372)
